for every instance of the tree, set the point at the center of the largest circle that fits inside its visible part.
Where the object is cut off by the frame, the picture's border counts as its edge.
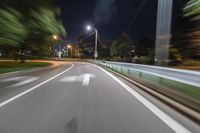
(104, 49)
(192, 8)
(39, 19)
(122, 46)
(42, 25)
(187, 37)
(12, 30)
(43, 21)
(146, 46)
(85, 46)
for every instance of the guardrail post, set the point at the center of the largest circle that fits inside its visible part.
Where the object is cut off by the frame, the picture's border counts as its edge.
(128, 71)
(140, 74)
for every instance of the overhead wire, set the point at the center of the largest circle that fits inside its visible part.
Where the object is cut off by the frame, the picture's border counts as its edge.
(136, 15)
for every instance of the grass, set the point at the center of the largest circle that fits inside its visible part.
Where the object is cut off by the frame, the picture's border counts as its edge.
(11, 66)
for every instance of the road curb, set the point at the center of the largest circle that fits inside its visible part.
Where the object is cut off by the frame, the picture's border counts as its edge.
(191, 114)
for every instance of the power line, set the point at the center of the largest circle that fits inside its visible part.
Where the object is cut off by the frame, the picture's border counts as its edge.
(137, 13)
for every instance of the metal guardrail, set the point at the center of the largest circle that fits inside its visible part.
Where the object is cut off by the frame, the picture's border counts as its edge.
(186, 93)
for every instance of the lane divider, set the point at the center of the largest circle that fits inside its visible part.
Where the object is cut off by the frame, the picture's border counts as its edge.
(34, 87)
(170, 122)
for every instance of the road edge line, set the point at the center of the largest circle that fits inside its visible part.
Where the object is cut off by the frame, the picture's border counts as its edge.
(33, 88)
(173, 124)
(189, 113)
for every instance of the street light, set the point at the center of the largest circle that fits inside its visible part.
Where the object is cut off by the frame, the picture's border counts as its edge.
(55, 37)
(70, 47)
(89, 28)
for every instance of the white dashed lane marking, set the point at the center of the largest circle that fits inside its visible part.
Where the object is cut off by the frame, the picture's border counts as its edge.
(84, 78)
(22, 80)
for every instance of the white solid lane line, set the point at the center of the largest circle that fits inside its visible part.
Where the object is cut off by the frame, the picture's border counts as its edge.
(173, 124)
(31, 89)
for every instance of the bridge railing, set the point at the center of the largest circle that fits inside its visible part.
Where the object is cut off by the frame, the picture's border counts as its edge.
(185, 93)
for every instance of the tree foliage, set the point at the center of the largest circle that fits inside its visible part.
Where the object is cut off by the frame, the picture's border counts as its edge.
(29, 24)
(43, 21)
(85, 46)
(104, 49)
(146, 47)
(12, 30)
(42, 25)
(192, 8)
(122, 46)
(187, 36)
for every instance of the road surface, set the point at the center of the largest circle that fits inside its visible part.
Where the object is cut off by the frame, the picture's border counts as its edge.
(82, 98)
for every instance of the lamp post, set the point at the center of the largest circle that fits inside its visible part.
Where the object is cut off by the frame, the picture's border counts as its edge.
(70, 47)
(89, 28)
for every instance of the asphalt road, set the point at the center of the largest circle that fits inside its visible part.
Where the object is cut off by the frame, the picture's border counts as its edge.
(185, 76)
(81, 98)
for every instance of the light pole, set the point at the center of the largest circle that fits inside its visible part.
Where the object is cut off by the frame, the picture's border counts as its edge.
(70, 47)
(89, 28)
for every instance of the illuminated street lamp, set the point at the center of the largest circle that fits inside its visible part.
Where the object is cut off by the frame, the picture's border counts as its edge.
(55, 37)
(89, 28)
(70, 47)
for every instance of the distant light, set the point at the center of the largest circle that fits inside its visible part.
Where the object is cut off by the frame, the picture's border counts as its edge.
(69, 46)
(89, 27)
(55, 37)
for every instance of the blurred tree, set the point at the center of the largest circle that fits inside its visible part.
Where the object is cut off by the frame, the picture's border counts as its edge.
(144, 52)
(40, 21)
(192, 8)
(187, 36)
(104, 49)
(146, 46)
(12, 31)
(85, 46)
(43, 21)
(174, 56)
(122, 47)
(42, 26)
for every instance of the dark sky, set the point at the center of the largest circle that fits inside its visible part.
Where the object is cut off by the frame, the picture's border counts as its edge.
(111, 17)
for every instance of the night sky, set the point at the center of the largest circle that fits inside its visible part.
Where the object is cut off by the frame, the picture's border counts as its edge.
(112, 17)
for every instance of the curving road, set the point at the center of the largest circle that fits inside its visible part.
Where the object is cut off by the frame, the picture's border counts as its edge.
(81, 98)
